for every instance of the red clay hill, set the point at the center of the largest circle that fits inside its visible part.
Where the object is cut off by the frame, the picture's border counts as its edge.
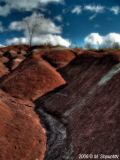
(21, 133)
(32, 79)
(3, 70)
(59, 57)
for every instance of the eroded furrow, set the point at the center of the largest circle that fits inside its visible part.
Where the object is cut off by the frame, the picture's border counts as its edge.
(56, 137)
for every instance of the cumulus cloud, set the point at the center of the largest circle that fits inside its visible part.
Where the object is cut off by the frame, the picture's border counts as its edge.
(115, 10)
(111, 39)
(39, 22)
(16, 40)
(77, 10)
(94, 8)
(43, 39)
(95, 40)
(24, 5)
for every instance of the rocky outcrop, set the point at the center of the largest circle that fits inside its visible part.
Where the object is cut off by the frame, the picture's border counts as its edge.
(32, 79)
(21, 133)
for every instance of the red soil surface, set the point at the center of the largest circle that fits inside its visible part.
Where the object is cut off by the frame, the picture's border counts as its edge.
(115, 54)
(3, 70)
(16, 48)
(93, 53)
(33, 78)
(21, 134)
(1, 53)
(59, 57)
(15, 62)
(13, 53)
(4, 59)
(11, 56)
(79, 117)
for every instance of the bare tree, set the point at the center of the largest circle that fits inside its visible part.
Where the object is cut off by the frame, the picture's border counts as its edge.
(31, 25)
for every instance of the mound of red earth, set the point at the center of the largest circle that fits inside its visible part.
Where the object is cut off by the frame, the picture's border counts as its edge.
(86, 109)
(59, 57)
(16, 48)
(11, 57)
(21, 134)
(15, 62)
(115, 54)
(33, 78)
(3, 70)
(4, 59)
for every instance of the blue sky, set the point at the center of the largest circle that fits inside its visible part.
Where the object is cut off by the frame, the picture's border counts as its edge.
(75, 19)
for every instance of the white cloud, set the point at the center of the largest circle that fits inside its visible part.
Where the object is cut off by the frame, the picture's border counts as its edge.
(29, 5)
(42, 25)
(58, 18)
(45, 29)
(43, 39)
(16, 25)
(111, 38)
(115, 10)
(93, 16)
(4, 10)
(94, 8)
(24, 5)
(21, 40)
(95, 40)
(77, 10)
